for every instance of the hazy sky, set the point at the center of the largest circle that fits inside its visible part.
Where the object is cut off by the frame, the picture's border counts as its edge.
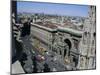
(51, 8)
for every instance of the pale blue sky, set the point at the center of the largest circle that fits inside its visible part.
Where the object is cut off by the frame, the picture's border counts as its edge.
(52, 8)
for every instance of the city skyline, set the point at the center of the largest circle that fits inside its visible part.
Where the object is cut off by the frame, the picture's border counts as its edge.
(53, 8)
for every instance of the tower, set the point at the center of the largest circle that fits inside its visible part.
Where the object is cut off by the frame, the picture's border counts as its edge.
(87, 58)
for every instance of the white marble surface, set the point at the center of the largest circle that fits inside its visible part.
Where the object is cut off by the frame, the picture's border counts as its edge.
(17, 68)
